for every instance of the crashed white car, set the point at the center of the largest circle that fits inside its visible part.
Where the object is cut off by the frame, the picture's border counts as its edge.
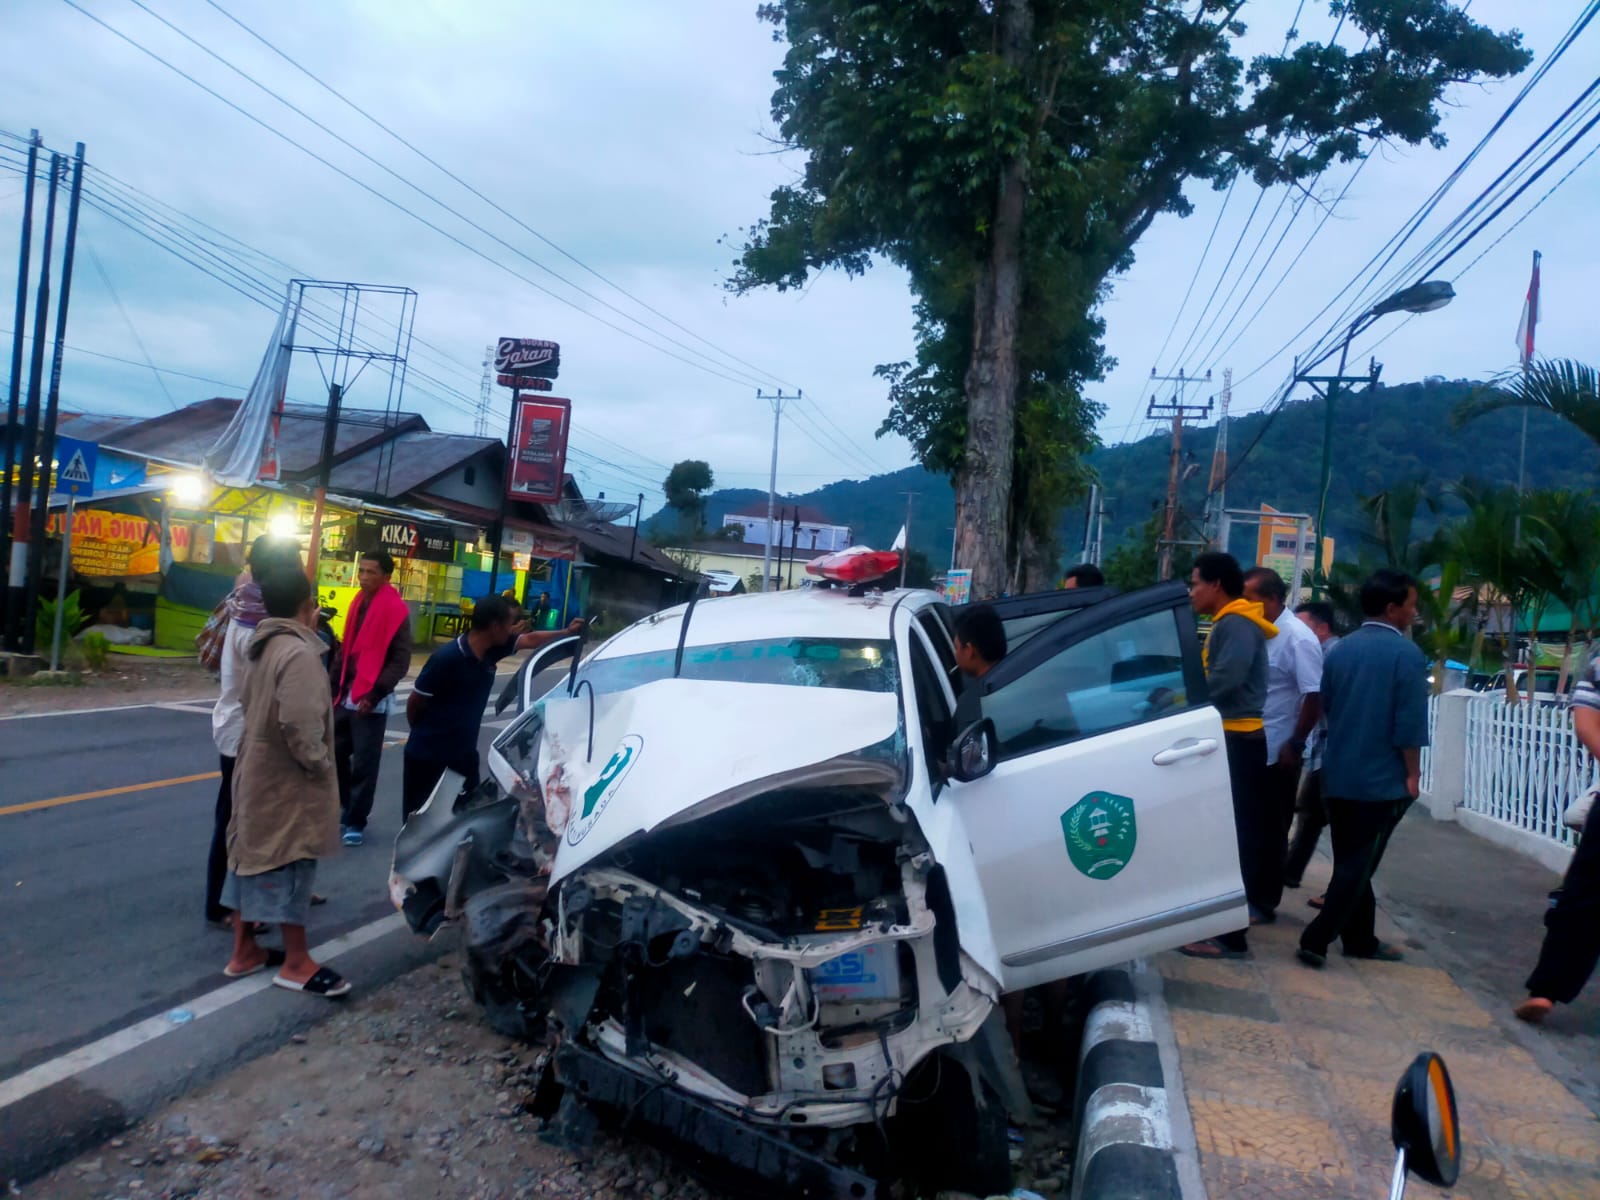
(760, 867)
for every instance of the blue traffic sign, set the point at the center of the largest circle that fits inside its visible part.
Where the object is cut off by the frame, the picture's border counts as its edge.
(75, 467)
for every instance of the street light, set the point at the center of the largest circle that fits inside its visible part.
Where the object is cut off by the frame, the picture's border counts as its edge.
(1418, 298)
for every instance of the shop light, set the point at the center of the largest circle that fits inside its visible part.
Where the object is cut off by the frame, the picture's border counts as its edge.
(283, 525)
(187, 489)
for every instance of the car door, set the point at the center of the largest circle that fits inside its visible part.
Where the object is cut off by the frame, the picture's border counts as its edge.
(1105, 829)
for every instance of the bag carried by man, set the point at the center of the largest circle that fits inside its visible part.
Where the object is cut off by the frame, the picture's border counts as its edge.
(1577, 814)
(209, 642)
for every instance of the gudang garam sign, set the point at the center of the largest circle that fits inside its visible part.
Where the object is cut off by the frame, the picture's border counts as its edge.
(531, 358)
(406, 539)
(538, 448)
(108, 545)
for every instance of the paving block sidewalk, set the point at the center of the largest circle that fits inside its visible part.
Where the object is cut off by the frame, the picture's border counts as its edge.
(1289, 1074)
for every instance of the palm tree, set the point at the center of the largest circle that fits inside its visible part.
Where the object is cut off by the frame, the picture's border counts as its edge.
(1564, 546)
(1563, 386)
(1498, 568)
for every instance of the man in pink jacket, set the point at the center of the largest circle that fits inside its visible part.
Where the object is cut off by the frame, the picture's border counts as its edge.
(376, 655)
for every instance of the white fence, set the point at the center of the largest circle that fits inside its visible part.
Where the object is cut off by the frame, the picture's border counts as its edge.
(1522, 762)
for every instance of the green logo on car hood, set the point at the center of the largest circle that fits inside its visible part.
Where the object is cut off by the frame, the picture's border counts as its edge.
(1101, 834)
(599, 793)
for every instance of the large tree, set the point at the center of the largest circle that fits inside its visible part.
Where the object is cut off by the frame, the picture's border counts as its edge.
(1010, 153)
(685, 487)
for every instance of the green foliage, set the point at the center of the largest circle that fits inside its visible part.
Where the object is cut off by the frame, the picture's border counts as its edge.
(96, 649)
(685, 486)
(1564, 387)
(1134, 563)
(1010, 155)
(73, 618)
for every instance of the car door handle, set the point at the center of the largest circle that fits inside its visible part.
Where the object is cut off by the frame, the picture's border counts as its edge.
(1187, 748)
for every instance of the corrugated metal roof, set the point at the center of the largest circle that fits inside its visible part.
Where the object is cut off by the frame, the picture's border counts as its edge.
(408, 462)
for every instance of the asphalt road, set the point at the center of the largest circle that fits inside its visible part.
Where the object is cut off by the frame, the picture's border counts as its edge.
(101, 895)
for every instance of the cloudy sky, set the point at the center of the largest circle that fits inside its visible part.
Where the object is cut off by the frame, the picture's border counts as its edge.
(630, 142)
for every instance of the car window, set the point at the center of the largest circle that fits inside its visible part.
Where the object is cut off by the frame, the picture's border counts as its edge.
(939, 638)
(933, 709)
(854, 664)
(1120, 676)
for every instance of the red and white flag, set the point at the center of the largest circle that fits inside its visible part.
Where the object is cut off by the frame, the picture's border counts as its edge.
(1530, 317)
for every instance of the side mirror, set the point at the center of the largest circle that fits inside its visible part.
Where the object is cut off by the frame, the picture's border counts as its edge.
(1426, 1133)
(974, 753)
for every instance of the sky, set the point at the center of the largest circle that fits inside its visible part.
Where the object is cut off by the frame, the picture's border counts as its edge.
(632, 142)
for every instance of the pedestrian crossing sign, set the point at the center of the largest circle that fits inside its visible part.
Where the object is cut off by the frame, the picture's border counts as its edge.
(75, 462)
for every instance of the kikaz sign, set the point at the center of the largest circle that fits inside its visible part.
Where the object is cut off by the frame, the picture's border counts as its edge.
(527, 357)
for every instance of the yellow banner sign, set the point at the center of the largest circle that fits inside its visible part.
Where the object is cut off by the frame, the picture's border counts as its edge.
(116, 545)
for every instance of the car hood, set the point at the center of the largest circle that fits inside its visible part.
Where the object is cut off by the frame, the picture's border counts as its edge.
(680, 749)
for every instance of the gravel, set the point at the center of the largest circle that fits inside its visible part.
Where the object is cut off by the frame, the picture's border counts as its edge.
(400, 1093)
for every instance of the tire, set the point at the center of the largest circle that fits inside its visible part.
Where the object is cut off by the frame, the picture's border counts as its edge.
(944, 1138)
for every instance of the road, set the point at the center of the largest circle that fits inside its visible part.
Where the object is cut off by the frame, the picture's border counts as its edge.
(105, 821)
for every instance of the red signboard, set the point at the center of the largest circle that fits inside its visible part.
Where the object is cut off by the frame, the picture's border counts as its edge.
(538, 448)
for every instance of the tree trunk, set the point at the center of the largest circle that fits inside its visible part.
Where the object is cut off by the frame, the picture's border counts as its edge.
(983, 482)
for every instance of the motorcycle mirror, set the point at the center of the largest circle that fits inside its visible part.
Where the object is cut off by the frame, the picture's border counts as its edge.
(1424, 1127)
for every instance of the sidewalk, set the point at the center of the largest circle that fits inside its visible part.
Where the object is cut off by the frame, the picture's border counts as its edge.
(1289, 1071)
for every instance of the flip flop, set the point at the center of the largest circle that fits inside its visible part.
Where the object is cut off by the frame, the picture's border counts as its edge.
(317, 899)
(274, 959)
(1534, 1010)
(1317, 901)
(1383, 953)
(326, 982)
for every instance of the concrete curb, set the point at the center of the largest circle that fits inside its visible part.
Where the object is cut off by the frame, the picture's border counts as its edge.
(1125, 1142)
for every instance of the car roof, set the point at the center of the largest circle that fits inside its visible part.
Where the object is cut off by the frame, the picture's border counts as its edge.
(810, 612)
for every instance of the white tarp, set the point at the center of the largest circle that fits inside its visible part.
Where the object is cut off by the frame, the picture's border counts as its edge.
(247, 451)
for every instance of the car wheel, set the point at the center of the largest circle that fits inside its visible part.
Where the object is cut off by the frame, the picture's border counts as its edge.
(946, 1139)
(502, 1007)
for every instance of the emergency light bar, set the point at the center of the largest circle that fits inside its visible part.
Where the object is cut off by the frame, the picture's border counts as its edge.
(855, 565)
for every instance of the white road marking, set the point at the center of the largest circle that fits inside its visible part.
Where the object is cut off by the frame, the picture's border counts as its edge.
(188, 706)
(74, 1062)
(80, 712)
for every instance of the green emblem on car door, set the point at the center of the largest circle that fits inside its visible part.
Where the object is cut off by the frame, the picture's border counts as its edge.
(1101, 834)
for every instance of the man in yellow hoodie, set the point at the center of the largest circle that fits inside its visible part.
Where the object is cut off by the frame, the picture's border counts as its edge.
(1236, 676)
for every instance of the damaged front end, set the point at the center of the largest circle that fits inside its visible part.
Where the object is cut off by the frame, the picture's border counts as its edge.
(766, 972)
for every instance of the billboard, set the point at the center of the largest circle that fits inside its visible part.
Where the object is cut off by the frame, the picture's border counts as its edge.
(406, 539)
(527, 356)
(538, 460)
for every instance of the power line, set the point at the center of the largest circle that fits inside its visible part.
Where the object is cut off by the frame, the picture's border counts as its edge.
(100, 270)
(320, 82)
(393, 203)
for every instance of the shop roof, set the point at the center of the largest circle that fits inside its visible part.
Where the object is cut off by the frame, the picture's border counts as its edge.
(808, 515)
(408, 462)
(750, 550)
(617, 542)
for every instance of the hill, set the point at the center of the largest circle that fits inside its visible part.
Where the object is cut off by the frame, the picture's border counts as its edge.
(1381, 437)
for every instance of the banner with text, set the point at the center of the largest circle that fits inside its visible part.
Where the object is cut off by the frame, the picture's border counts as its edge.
(538, 448)
(109, 545)
(406, 539)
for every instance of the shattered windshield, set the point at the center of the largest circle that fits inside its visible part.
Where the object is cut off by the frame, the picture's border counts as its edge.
(855, 664)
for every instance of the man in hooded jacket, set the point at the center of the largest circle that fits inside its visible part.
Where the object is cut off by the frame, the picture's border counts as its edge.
(1235, 657)
(285, 789)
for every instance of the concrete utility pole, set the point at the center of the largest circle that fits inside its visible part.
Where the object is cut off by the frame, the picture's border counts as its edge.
(777, 400)
(1332, 383)
(1179, 412)
(19, 332)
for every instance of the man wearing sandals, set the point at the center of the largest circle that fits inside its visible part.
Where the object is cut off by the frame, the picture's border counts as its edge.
(285, 789)
(1375, 692)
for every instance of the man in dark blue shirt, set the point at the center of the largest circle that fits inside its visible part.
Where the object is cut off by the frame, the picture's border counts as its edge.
(445, 709)
(1375, 695)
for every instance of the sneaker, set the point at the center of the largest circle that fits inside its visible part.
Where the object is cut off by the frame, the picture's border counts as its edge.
(351, 837)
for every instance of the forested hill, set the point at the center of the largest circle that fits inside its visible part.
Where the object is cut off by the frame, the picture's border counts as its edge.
(1381, 437)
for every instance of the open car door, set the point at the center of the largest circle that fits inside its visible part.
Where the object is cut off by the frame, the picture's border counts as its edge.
(1104, 828)
(523, 688)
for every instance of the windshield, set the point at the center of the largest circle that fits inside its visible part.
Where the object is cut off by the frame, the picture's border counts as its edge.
(854, 664)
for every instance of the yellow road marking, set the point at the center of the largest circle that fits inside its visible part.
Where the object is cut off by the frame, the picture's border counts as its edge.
(33, 805)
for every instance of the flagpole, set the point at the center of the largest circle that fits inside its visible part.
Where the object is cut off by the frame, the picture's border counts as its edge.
(1531, 316)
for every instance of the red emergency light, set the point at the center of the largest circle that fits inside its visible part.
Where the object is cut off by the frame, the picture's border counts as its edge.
(855, 565)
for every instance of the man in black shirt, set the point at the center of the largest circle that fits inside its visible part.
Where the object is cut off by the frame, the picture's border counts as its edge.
(445, 709)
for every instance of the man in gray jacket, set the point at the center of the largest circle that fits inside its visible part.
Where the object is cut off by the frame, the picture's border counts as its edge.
(1236, 676)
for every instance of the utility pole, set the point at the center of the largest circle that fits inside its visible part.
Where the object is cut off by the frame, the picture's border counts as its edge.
(1332, 383)
(330, 441)
(905, 549)
(19, 330)
(1217, 487)
(1532, 321)
(1094, 526)
(19, 623)
(777, 400)
(1179, 412)
(47, 431)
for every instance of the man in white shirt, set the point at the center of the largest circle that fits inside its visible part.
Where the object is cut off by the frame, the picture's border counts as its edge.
(1294, 705)
(1310, 810)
